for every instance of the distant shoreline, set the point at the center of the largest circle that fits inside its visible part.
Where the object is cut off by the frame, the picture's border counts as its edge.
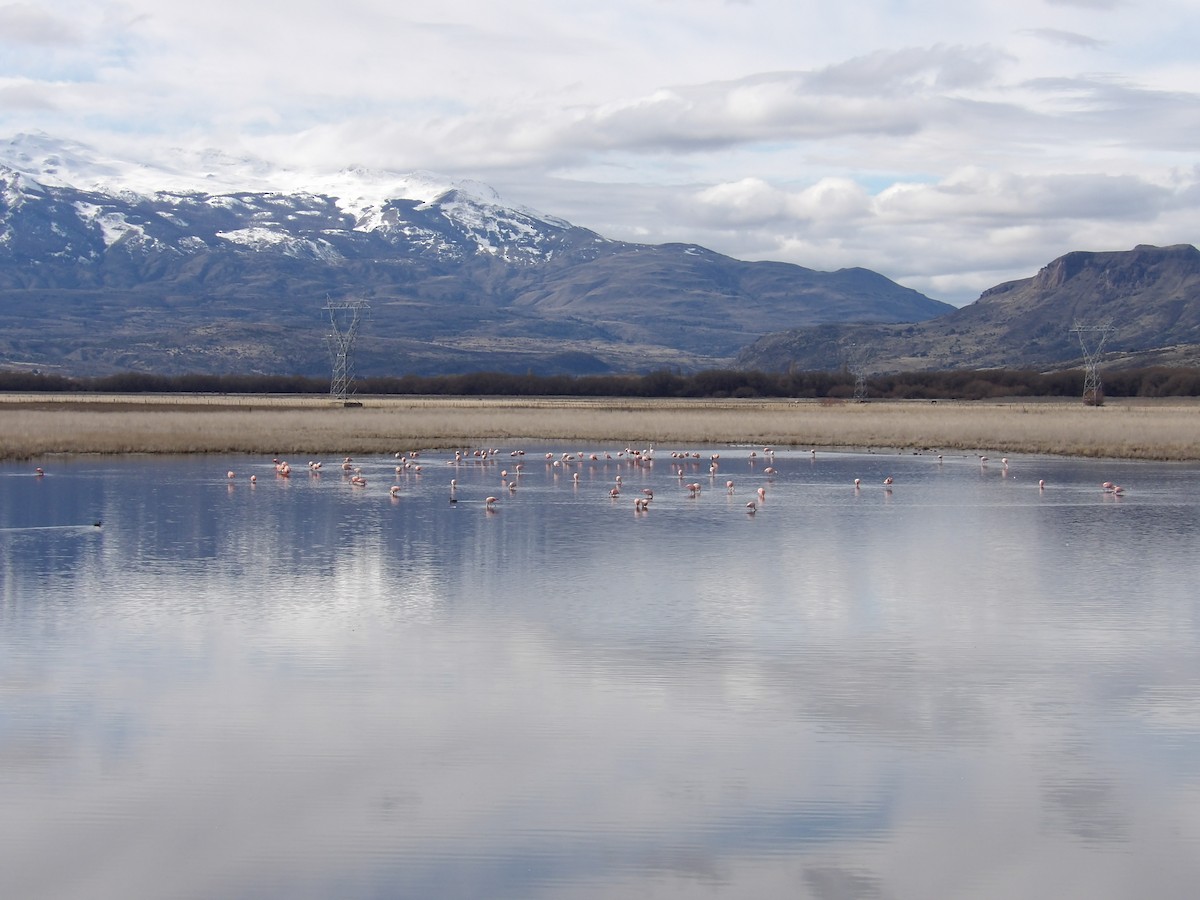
(36, 425)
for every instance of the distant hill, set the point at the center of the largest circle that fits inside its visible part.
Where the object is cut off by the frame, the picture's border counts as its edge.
(97, 279)
(1149, 295)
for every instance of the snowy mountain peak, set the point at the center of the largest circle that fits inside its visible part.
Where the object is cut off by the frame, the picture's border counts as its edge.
(61, 163)
(364, 194)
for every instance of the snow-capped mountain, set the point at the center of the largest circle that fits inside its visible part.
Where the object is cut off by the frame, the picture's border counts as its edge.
(230, 201)
(96, 251)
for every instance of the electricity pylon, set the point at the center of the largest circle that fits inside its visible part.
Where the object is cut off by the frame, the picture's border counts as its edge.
(858, 360)
(345, 318)
(1092, 338)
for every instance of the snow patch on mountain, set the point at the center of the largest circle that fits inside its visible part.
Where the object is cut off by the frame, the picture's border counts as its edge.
(258, 237)
(18, 187)
(113, 226)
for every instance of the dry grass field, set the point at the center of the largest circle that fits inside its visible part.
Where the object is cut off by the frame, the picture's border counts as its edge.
(37, 425)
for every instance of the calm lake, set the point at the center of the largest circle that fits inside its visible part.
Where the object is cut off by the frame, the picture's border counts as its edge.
(961, 686)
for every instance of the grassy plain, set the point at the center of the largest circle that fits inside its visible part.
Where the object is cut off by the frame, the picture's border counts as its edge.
(33, 425)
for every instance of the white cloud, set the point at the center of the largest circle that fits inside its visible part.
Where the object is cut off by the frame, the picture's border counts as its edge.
(946, 145)
(24, 23)
(1067, 38)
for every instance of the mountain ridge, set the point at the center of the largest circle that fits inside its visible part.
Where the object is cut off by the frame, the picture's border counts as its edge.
(1150, 296)
(95, 280)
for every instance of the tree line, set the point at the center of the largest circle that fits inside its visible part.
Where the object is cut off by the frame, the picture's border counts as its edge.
(953, 384)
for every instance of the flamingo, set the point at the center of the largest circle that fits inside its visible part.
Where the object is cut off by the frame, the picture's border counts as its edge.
(887, 482)
(729, 487)
(751, 507)
(395, 490)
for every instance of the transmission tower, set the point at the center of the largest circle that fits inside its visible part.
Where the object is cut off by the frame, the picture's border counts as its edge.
(857, 361)
(345, 317)
(1092, 338)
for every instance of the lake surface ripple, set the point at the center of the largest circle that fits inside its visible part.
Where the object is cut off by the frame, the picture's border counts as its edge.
(964, 685)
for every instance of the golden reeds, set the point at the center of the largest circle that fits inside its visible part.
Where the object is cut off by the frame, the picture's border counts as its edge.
(36, 425)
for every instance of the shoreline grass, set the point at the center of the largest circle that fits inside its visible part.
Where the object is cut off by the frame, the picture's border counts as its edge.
(33, 425)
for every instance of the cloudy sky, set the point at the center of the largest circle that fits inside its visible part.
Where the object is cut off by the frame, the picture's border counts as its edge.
(947, 145)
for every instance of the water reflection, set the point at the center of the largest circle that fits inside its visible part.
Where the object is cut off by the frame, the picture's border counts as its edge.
(961, 686)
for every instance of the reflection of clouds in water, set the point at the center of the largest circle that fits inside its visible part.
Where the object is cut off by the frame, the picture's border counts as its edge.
(1087, 808)
(833, 883)
(838, 695)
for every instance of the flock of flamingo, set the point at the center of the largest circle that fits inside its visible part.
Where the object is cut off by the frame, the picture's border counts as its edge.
(682, 462)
